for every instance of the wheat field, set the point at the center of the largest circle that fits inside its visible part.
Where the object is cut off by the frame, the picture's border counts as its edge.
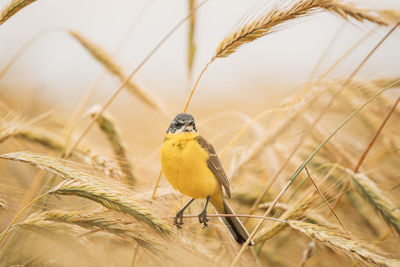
(314, 175)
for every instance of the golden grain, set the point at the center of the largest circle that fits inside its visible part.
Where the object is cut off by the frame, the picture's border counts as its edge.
(13, 6)
(370, 192)
(93, 217)
(191, 50)
(275, 17)
(336, 241)
(109, 128)
(106, 60)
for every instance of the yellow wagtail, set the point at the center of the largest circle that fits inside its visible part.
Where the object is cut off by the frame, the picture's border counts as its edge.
(192, 167)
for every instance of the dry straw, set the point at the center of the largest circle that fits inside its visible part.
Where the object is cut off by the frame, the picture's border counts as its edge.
(64, 239)
(109, 128)
(293, 213)
(308, 253)
(369, 89)
(63, 234)
(106, 60)
(94, 221)
(36, 135)
(13, 6)
(390, 14)
(271, 136)
(191, 52)
(129, 77)
(52, 141)
(111, 199)
(353, 198)
(112, 195)
(349, 10)
(373, 195)
(276, 17)
(3, 203)
(338, 242)
(316, 151)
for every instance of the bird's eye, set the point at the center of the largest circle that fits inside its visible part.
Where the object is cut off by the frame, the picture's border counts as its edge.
(178, 124)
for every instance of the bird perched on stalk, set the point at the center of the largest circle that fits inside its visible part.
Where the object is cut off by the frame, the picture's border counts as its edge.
(192, 167)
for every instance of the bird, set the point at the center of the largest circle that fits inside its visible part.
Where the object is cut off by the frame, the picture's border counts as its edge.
(191, 166)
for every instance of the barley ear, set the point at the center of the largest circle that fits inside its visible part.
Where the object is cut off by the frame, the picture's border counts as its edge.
(275, 17)
(338, 242)
(11, 8)
(111, 194)
(106, 60)
(111, 131)
(111, 199)
(94, 221)
(373, 195)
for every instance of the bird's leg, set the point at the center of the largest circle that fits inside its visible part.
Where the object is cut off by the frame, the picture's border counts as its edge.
(203, 215)
(179, 215)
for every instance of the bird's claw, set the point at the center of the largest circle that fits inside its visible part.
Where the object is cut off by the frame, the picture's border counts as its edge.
(203, 218)
(178, 220)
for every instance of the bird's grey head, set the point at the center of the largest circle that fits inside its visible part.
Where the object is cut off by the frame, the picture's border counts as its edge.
(183, 122)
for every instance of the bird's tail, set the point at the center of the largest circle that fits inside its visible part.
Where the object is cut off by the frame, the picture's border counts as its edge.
(234, 225)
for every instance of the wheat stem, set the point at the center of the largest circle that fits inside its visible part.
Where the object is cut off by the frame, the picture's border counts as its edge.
(368, 148)
(3, 234)
(128, 78)
(297, 172)
(110, 130)
(326, 201)
(333, 240)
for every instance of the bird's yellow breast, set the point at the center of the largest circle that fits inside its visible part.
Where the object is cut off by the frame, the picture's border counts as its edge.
(184, 163)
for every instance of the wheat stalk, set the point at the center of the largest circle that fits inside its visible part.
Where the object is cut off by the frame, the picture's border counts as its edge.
(106, 60)
(7, 10)
(108, 127)
(348, 10)
(191, 50)
(348, 100)
(335, 148)
(370, 192)
(64, 236)
(275, 17)
(336, 241)
(293, 213)
(315, 152)
(93, 221)
(307, 254)
(111, 199)
(262, 26)
(3, 203)
(51, 141)
(112, 195)
(368, 90)
(270, 137)
(354, 199)
(390, 14)
(49, 164)
(308, 215)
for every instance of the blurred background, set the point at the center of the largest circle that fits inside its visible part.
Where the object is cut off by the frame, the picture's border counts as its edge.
(41, 92)
(279, 63)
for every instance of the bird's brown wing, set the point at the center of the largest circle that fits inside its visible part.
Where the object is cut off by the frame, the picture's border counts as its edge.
(215, 165)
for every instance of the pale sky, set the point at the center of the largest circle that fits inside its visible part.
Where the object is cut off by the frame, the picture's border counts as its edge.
(59, 68)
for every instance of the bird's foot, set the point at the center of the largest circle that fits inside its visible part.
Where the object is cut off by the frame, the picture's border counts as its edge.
(178, 220)
(203, 218)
